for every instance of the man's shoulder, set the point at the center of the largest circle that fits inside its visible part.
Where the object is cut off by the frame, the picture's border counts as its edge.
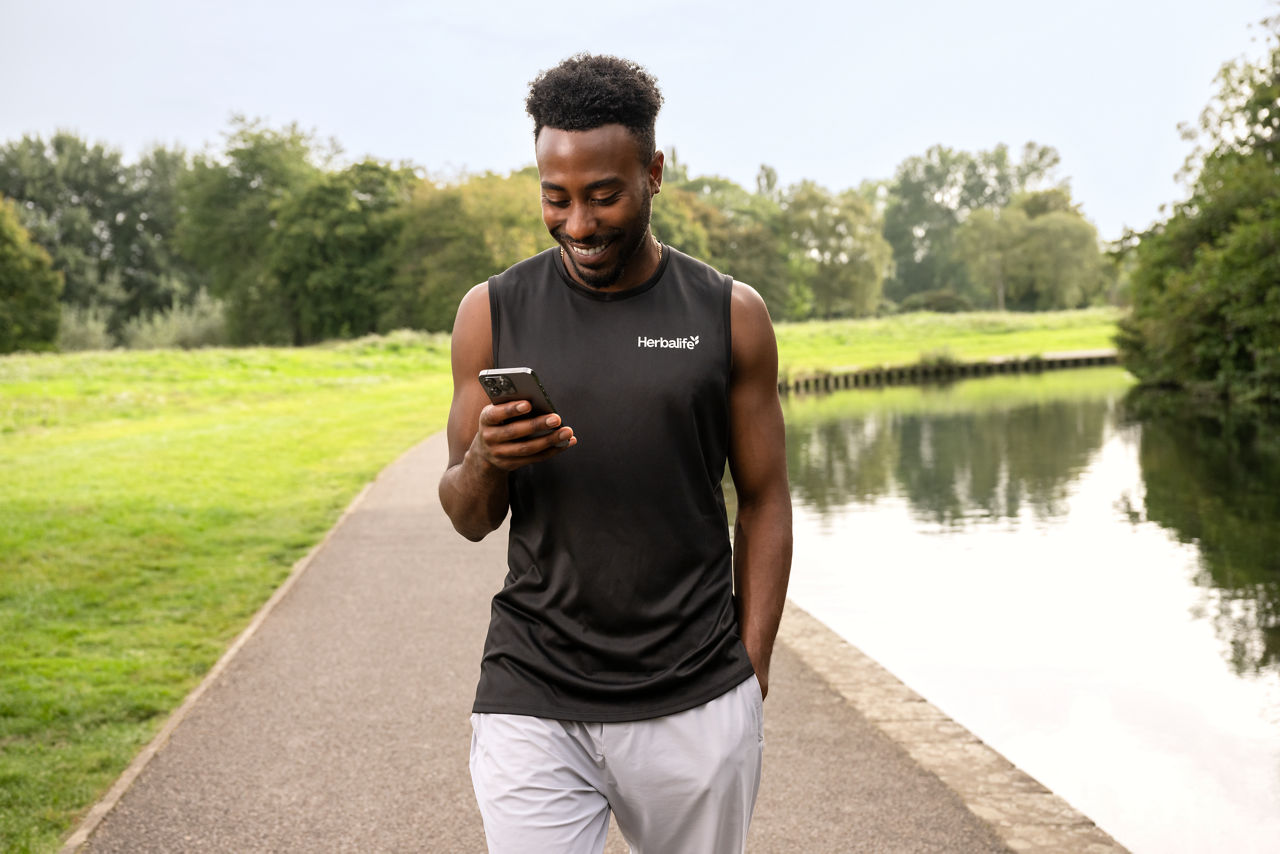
(687, 261)
(693, 269)
(535, 265)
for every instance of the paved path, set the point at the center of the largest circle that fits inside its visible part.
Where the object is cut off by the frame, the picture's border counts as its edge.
(340, 723)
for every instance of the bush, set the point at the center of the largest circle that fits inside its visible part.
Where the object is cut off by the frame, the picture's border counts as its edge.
(201, 324)
(943, 301)
(397, 341)
(84, 329)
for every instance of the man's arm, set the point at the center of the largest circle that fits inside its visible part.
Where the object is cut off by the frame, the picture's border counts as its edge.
(758, 463)
(483, 450)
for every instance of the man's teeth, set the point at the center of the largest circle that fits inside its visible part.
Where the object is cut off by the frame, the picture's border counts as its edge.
(587, 252)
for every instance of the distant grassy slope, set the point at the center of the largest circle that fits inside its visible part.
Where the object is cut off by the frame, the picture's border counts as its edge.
(905, 339)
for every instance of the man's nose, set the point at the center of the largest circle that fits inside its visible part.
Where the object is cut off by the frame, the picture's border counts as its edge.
(581, 223)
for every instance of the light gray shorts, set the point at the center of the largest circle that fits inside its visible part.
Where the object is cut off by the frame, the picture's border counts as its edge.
(681, 783)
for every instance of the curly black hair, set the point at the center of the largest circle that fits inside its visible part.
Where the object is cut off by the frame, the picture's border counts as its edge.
(585, 92)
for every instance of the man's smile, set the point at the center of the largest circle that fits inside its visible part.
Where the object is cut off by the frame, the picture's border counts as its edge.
(588, 251)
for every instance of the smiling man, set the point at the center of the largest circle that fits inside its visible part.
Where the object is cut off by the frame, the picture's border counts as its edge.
(627, 658)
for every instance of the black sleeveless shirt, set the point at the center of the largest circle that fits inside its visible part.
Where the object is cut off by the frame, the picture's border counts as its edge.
(618, 600)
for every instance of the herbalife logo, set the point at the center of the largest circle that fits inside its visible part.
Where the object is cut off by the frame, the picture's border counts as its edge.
(668, 343)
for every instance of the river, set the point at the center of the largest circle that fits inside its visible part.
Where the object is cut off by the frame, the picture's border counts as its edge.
(1095, 596)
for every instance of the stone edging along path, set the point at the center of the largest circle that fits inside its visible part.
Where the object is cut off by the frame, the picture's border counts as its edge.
(1026, 815)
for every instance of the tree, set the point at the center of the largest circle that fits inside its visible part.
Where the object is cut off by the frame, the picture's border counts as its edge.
(155, 276)
(328, 257)
(1060, 264)
(228, 212)
(29, 288)
(745, 234)
(108, 225)
(456, 235)
(1036, 253)
(932, 194)
(682, 220)
(987, 244)
(69, 194)
(1206, 306)
(837, 251)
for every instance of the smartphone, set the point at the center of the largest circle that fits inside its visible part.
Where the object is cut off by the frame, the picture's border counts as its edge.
(507, 384)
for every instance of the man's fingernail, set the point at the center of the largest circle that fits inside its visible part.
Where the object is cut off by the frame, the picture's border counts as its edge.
(522, 407)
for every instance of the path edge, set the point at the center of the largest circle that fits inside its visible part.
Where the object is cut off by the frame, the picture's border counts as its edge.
(1025, 814)
(108, 802)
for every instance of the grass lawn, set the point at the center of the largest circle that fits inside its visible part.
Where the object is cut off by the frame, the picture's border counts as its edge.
(907, 339)
(150, 502)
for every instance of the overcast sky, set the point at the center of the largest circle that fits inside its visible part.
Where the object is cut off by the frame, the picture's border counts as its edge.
(837, 92)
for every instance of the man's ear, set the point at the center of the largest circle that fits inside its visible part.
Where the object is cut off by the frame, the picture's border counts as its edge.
(655, 173)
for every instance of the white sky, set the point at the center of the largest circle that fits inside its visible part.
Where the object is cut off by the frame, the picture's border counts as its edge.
(832, 91)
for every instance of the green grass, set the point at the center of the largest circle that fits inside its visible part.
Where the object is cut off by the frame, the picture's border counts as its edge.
(994, 393)
(150, 503)
(910, 338)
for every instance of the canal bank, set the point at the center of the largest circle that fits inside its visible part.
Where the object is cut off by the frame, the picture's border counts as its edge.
(942, 370)
(339, 722)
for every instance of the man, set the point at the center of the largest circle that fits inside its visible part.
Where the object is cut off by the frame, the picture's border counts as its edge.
(620, 671)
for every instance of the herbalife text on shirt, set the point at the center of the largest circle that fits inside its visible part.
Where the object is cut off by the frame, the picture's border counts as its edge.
(668, 343)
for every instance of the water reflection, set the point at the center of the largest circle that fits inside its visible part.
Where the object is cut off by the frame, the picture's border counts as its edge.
(1009, 451)
(1093, 593)
(1218, 486)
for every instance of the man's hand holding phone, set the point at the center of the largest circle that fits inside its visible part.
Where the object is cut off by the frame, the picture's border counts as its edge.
(520, 426)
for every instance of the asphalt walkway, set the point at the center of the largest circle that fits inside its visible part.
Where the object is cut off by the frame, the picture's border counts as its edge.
(339, 722)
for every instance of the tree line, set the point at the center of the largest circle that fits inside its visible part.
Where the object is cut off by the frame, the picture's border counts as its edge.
(1206, 281)
(275, 240)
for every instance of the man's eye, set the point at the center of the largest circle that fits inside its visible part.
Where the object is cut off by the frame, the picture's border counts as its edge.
(607, 200)
(557, 203)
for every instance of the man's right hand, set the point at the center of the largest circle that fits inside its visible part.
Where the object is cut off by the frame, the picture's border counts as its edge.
(509, 444)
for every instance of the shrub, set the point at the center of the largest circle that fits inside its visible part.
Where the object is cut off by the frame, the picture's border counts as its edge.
(201, 324)
(944, 301)
(84, 329)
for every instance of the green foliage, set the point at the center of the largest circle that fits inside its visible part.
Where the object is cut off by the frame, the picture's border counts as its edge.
(1036, 253)
(70, 194)
(201, 324)
(455, 236)
(230, 206)
(298, 250)
(1206, 301)
(108, 225)
(837, 250)
(84, 329)
(932, 194)
(745, 238)
(328, 258)
(29, 288)
(946, 301)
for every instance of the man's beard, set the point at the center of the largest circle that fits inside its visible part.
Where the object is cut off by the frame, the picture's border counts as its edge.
(600, 279)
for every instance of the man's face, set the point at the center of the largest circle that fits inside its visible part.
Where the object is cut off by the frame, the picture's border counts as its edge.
(596, 201)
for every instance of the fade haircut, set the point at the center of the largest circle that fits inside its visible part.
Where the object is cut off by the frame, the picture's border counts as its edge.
(586, 92)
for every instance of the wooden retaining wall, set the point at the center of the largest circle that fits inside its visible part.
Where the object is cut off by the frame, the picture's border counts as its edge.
(842, 378)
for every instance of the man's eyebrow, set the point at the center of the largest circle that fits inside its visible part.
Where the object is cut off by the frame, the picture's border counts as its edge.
(594, 185)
